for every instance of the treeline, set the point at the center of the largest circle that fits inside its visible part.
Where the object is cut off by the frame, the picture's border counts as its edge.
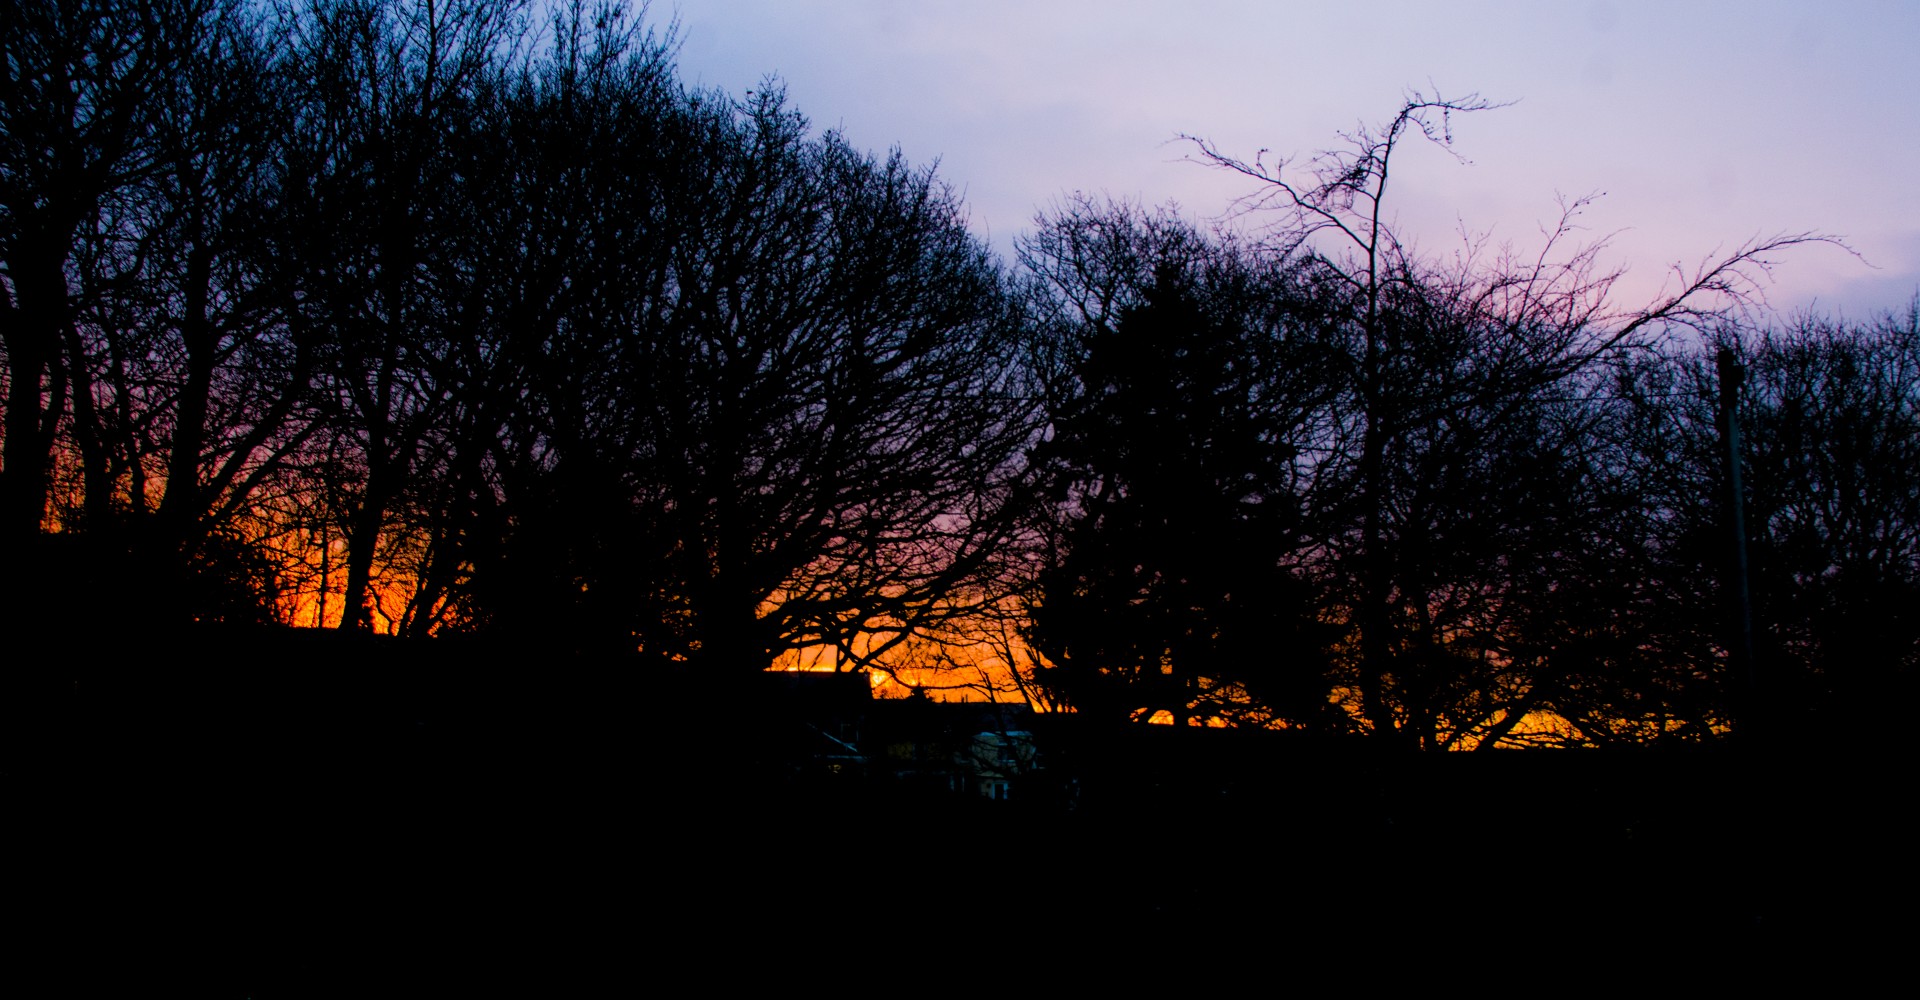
(1479, 513)
(422, 317)
(472, 318)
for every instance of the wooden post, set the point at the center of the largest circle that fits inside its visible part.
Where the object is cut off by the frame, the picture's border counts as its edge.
(1740, 606)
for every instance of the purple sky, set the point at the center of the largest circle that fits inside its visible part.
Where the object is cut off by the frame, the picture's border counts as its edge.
(1705, 124)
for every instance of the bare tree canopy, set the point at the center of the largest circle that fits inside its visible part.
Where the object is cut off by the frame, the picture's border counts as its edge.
(1460, 501)
(453, 319)
(473, 318)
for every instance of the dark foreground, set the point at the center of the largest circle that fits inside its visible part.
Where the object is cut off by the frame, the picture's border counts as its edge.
(333, 807)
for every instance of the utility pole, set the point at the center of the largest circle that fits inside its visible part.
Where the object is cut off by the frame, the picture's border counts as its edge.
(1740, 601)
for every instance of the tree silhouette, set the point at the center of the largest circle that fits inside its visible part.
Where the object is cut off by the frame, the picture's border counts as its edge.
(1833, 424)
(561, 351)
(390, 125)
(833, 401)
(1827, 418)
(1451, 367)
(1170, 588)
(176, 388)
(78, 105)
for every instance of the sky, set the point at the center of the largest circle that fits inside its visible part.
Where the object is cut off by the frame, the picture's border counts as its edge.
(1699, 125)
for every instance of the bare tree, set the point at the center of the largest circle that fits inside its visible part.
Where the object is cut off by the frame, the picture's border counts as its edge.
(749, 389)
(1828, 420)
(836, 401)
(591, 146)
(1448, 361)
(172, 389)
(389, 110)
(78, 103)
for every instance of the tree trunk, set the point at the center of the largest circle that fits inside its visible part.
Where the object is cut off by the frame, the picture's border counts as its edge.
(36, 395)
(181, 505)
(363, 534)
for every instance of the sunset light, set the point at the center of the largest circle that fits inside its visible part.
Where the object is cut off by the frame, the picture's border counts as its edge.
(997, 484)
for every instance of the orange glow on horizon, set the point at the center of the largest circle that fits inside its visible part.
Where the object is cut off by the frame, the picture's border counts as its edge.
(950, 671)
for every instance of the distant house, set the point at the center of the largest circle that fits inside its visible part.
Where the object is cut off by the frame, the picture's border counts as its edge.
(972, 748)
(827, 724)
(993, 763)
